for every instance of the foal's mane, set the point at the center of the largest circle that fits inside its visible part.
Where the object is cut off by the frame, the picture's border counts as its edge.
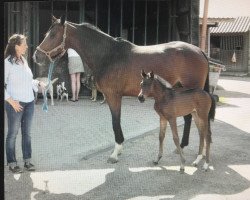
(165, 84)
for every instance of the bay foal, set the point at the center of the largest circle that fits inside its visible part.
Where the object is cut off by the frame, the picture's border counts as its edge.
(170, 104)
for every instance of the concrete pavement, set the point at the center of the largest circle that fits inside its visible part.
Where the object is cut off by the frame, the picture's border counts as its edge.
(71, 144)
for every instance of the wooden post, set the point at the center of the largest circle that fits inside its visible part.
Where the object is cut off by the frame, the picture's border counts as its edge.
(204, 26)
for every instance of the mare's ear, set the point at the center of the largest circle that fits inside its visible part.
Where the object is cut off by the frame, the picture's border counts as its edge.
(151, 74)
(143, 74)
(62, 19)
(53, 19)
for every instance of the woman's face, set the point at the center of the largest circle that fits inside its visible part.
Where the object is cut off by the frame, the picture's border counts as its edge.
(21, 49)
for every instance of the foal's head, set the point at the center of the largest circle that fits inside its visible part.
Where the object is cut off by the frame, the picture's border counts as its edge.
(148, 83)
(53, 45)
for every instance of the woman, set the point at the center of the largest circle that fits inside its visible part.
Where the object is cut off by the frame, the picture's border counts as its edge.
(19, 97)
(75, 69)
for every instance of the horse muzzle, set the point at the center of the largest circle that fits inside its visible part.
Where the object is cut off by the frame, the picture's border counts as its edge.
(39, 58)
(141, 98)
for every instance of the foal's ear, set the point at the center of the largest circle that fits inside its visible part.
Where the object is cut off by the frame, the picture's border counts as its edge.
(151, 74)
(62, 19)
(143, 74)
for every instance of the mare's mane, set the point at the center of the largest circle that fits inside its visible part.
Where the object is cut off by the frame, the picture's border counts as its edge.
(87, 25)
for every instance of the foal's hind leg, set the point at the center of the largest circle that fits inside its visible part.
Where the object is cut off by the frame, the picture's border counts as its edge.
(208, 141)
(177, 142)
(202, 128)
(163, 126)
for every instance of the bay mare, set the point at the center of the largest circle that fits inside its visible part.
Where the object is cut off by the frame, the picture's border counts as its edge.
(117, 63)
(170, 104)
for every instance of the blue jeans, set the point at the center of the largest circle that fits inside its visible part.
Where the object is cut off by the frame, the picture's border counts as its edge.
(15, 120)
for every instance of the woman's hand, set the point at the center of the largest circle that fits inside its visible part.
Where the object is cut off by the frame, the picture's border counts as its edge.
(15, 104)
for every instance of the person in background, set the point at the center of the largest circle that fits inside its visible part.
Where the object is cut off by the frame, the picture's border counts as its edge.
(19, 101)
(75, 66)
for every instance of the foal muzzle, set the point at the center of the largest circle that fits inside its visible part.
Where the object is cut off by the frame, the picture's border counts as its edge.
(141, 98)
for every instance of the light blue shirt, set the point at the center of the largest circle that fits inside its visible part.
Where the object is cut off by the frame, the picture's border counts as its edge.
(19, 83)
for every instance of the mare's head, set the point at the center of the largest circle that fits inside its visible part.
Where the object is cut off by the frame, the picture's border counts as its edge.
(146, 85)
(53, 45)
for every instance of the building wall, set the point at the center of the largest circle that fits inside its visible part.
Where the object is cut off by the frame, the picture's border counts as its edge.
(143, 23)
(248, 53)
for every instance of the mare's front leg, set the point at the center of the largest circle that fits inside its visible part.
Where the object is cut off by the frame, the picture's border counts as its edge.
(173, 126)
(114, 103)
(163, 126)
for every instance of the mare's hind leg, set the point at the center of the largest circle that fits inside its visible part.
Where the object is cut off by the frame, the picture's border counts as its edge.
(114, 103)
(163, 126)
(173, 126)
(186, 131)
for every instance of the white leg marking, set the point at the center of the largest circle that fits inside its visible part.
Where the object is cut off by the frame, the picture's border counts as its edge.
(116, 152)
(204, 152)
(205, 166)
(198, 159)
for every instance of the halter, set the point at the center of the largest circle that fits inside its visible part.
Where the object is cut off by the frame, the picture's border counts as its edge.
(61, 46)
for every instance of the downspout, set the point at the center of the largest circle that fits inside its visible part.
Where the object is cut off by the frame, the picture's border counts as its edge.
(204, 26)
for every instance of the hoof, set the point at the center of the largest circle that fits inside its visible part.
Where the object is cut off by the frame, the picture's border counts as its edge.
(155, 162)
(112, 160)
(182, 170)
(102, 102)
(205, 167)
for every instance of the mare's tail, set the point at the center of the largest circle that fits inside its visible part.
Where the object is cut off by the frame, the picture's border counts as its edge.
(206, 87)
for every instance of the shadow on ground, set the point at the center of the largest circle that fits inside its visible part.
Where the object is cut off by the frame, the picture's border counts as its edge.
(135, 177)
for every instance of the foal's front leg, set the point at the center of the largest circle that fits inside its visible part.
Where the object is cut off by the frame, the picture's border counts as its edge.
(173, 126)
(163, 126)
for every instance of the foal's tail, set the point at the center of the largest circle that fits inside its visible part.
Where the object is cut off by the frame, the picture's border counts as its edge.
(211, 114)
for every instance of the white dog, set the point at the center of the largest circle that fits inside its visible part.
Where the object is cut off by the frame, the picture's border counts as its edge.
(62, 91)
(50, 90)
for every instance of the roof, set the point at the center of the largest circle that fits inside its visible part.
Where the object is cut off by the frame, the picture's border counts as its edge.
(226, 8)
(238, 25)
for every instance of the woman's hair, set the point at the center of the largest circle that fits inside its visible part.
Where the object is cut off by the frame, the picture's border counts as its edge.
(10, 50)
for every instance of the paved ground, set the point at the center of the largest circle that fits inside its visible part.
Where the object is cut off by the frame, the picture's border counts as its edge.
(71, 144)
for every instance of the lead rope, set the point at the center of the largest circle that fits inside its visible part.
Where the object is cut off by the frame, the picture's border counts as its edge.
(45, 99)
